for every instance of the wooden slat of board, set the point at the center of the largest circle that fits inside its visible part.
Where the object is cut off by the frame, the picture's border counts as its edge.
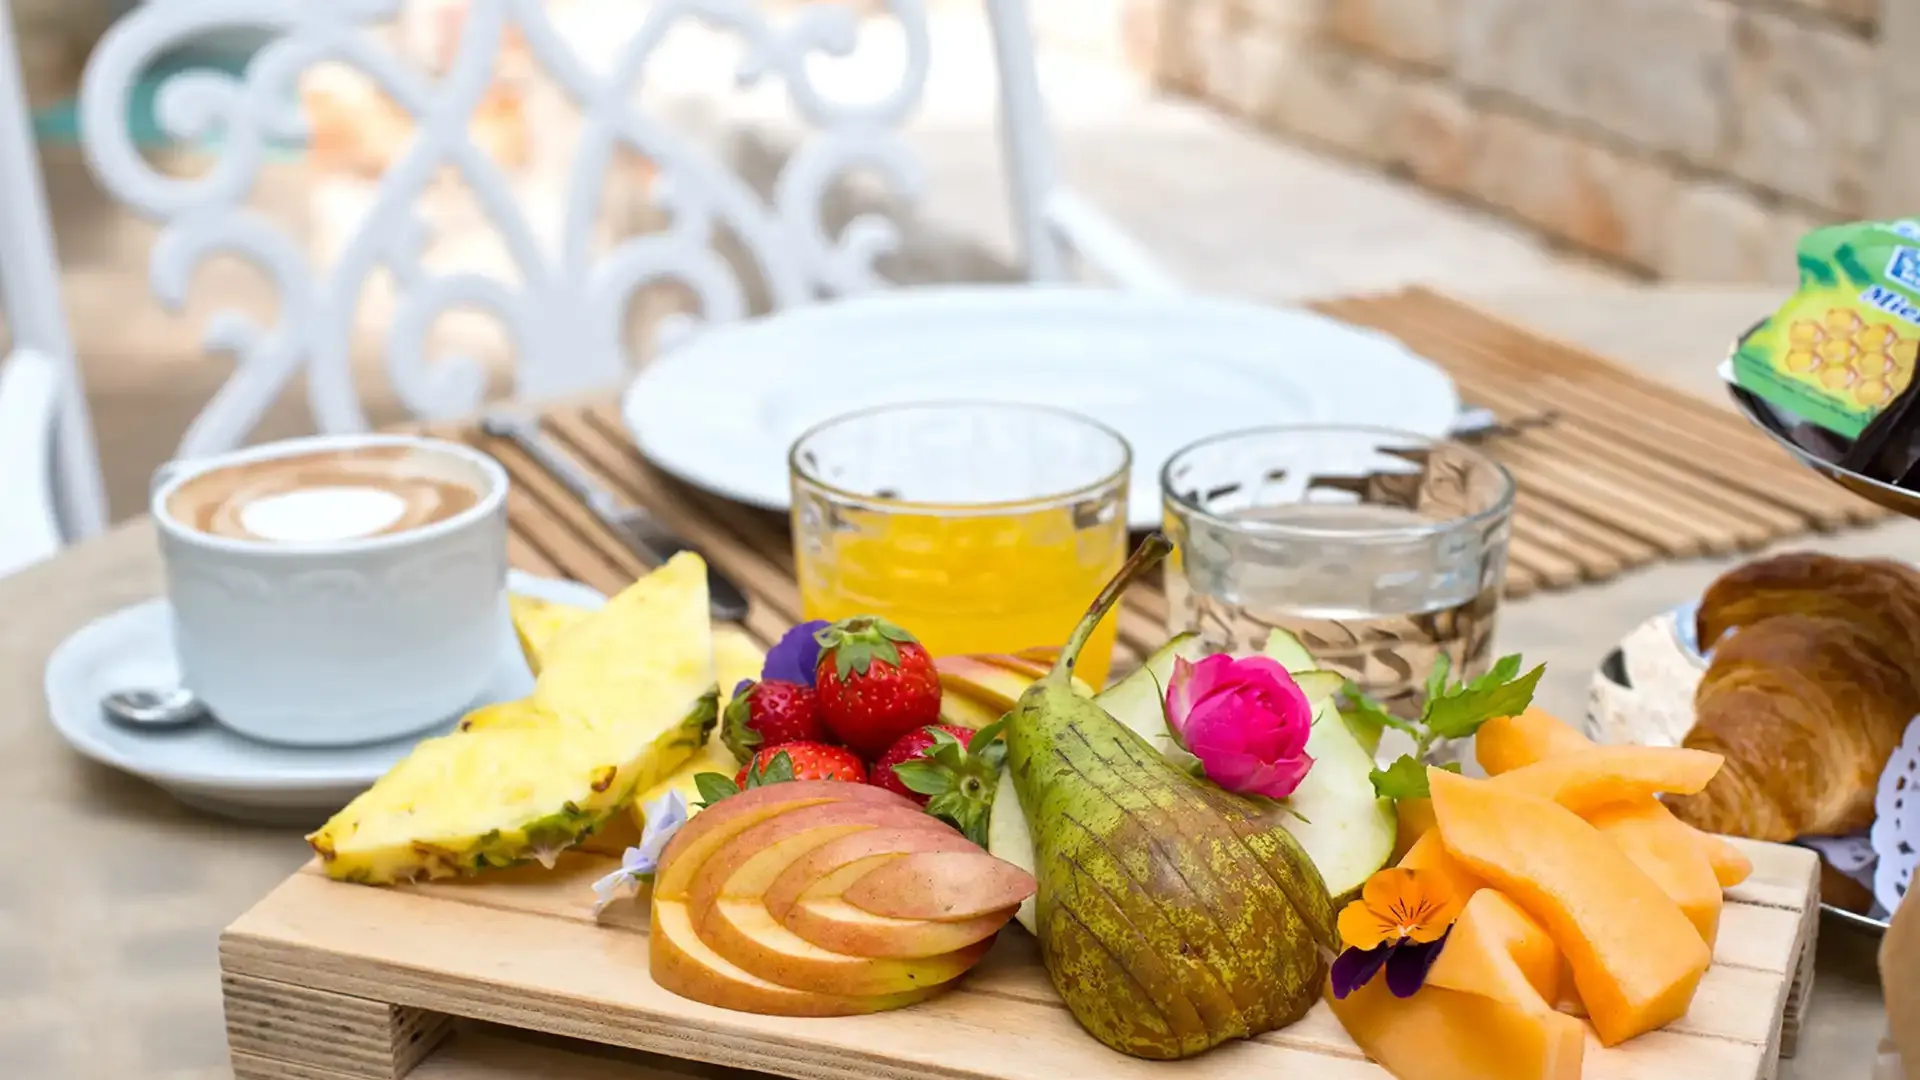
(523, 555)
(551, 965)
(770, 611)
(1541, 351)
(1584, 531)
(1519, 582)
(1594, 563)
(1761, 908)
(1548, 478)
(1550, 568)
(1574, 439)
(562, 512)
(600, 431)
(1652, 419)
(1660, 420)
(492, 1052)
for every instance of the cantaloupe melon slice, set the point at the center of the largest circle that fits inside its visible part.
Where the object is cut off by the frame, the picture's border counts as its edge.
(1636, 960)
(1644, 831)
(1429, 854)
(1445, 1034)
(1414, 820)
(1730, 867)
(1605, 775)
(1497, 950)
(1507, 743)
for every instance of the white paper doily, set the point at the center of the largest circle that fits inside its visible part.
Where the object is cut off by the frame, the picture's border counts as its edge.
(1896, 823)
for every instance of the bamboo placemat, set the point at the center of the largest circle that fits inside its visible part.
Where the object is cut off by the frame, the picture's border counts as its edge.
(1615, 471)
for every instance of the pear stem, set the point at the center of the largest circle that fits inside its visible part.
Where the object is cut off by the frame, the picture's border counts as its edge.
(1151, 550)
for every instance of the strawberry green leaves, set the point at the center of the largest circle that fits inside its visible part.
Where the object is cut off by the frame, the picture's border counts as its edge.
(959, 779)
(856, 643)
(1453, 710)
(714, 786)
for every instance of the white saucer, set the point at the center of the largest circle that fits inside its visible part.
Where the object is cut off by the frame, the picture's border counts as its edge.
(212, 768)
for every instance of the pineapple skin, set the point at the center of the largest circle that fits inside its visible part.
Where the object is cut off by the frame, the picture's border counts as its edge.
(595, 797)
(735, 658)
(625, 696)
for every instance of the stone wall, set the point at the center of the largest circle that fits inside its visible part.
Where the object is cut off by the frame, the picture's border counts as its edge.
(1690, 139)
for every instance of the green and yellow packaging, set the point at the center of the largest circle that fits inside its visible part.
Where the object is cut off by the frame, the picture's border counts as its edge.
(1843, 347)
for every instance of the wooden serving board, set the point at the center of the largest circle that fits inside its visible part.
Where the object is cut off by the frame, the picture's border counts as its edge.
(329, 981)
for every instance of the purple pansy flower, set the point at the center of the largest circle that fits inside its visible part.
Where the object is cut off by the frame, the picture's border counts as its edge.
(793, 657)
(1406, 962)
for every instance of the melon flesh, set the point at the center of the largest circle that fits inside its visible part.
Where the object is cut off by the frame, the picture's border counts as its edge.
(1645, 833)
(1429, 854)
(1442, 1034)
(1730, 867)
(1635, 958)
(1496, 950)
(1415, 820)
(1507, 743)
(1604, 775)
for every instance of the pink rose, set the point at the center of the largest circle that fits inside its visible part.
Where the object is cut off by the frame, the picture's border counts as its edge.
(1245, 719)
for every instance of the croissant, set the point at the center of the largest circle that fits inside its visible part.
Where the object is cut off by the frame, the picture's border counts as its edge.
(1877, 593)
(1806, 710)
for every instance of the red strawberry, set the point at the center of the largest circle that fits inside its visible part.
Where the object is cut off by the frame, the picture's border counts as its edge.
(770, 713)
(875, 683)
(908, 747)
(950, 770)
(801, 761)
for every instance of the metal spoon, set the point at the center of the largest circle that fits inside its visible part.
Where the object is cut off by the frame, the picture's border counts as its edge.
(153, 709)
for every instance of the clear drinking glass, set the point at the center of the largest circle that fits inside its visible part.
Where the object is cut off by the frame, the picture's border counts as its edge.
(1380, 549)
(978, 527)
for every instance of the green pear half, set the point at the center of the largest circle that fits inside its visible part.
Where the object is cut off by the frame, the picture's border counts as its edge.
(1346, 828)
(1172, 915)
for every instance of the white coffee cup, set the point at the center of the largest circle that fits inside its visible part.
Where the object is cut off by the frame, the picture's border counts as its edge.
(337, 642)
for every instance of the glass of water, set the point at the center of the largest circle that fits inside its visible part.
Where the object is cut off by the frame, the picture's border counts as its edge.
(1379, 549)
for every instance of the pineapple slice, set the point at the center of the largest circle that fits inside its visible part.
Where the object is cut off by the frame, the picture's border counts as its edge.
(626, 695)
(735, 657)
(537, 622)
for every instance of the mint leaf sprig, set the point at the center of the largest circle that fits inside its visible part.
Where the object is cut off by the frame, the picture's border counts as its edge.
(1453, 710)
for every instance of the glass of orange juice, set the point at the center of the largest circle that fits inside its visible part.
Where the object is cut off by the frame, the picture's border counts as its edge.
(977, 527)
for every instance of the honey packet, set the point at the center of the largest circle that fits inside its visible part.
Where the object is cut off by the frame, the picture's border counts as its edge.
(1843, 348)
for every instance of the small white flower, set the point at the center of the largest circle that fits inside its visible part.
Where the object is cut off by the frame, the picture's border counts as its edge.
(664, 816)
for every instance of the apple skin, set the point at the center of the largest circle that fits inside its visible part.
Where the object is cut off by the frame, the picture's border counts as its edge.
(979, 688)
(834, 924)
(682, 964)
(743, 932)
(716, 941)
(943, 886)
(711, 828)
(749, 862)
(846, 860)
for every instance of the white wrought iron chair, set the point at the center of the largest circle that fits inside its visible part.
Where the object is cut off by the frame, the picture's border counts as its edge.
(49, 479)
(564, 320)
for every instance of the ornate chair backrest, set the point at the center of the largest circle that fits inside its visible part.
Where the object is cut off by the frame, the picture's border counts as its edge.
(564, 315)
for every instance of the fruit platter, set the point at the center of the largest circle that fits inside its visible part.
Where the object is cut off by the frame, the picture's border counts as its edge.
(847, 858)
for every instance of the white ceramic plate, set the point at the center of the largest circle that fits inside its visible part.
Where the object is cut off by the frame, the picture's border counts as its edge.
(212, 768)
(721, 410)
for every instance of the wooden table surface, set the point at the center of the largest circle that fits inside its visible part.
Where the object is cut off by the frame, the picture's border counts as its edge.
(112, 896)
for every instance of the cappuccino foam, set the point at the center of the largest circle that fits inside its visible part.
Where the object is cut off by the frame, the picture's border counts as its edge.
(328, 495)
